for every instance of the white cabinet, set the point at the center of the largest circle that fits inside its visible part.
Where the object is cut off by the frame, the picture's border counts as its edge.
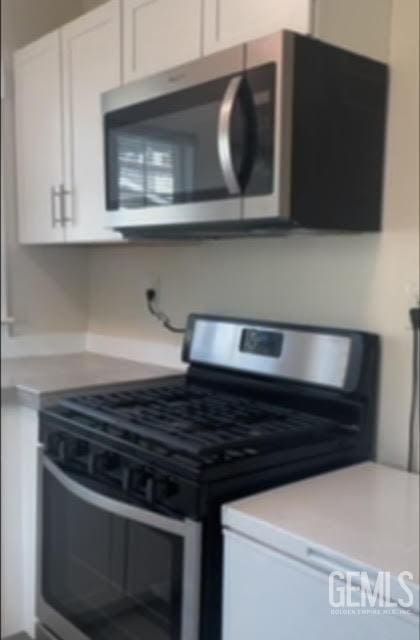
(60, 160)
(19, 437)
(160, 34)
(354, 24)
(270, 595)
(38, 140)
(230, 22)
(11, 523)
(91, 66)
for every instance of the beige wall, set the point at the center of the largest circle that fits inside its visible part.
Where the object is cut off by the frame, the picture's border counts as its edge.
(364, 29)
(47, 287)
(366, 282)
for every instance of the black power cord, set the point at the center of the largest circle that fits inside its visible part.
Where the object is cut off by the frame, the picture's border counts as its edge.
(415, 323)
(160, 315)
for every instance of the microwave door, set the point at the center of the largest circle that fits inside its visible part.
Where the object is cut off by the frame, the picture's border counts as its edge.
(177, 159)
(269, 77)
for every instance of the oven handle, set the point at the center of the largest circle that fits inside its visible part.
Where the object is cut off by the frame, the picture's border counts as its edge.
(223, 135)
(115, 507)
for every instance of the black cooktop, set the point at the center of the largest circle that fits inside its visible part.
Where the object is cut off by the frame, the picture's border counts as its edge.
(199, 421)
(192, 430)
(256, 396)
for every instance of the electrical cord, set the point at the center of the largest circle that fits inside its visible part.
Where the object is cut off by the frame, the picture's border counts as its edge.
(415, 321)
(160, 315)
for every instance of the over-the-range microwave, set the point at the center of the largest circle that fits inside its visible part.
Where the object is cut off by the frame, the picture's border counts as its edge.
(283, 132)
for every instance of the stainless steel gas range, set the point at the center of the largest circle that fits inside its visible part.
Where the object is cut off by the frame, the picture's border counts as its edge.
(131, 482)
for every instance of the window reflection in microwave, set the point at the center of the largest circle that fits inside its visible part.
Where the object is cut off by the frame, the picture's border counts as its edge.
(153, 166)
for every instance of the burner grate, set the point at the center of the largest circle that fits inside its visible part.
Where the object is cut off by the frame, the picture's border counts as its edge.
(200, 422)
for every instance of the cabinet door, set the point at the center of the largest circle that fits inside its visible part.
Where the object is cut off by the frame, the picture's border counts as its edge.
(19, 439)
(269, 595)
(91, 66)
(159, 35)
(230, 22)
(39, 140)
(12, 610)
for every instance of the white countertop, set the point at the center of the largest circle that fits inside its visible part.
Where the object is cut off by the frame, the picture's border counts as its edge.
(368, 513)
(38, 378)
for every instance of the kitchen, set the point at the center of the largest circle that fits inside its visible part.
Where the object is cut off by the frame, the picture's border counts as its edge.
(76, 318)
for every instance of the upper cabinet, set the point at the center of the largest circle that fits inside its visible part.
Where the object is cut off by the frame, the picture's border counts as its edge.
(38, 140)
(60, 78)
(160, 34)
(91, 65)
(59, 142)
(230, 22)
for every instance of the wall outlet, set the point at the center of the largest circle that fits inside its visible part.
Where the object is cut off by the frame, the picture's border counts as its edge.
(152, 281)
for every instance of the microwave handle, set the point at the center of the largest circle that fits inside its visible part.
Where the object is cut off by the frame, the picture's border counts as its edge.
(223, 136)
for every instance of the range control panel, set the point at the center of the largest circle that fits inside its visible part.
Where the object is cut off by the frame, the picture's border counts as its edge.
(309, 355)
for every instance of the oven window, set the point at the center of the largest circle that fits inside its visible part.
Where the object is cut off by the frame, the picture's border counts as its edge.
(112, 578)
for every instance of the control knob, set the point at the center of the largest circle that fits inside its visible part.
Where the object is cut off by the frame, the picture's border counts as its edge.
(158, 489)
(62, 446)
(131, 477)
(101, 461)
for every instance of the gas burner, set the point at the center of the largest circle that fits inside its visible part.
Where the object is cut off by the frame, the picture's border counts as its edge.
(200, 422)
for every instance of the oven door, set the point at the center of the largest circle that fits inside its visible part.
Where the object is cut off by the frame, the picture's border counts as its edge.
(188, 156)
(112, 571)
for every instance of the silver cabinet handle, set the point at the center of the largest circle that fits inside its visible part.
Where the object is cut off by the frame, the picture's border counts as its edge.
(63, 192)
(223, 136)
(54, 193)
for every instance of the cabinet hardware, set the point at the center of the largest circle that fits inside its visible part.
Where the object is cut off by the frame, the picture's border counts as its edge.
(63, 192)
(54, 193)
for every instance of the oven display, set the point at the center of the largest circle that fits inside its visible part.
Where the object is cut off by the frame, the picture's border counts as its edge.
(261, 343)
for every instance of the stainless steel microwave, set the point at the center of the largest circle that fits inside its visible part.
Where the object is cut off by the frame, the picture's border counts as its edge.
(283, 132)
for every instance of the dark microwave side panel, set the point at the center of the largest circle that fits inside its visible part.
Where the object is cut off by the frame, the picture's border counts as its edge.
(338, 138)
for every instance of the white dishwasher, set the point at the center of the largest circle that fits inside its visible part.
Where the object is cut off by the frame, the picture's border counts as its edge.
(269, 595)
